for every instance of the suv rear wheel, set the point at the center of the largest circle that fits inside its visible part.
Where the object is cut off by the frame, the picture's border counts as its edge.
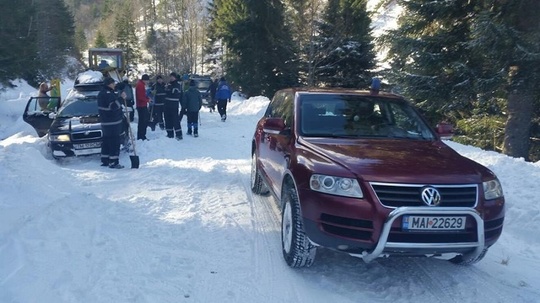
(257, 184)
(297, 250)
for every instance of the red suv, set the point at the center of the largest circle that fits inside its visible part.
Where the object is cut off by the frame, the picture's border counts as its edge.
(363, 173)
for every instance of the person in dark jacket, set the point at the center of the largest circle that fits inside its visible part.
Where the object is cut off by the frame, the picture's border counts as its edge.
(173, 96)
(159, 101)
(111, 116)
(142, 101)
(223, 95)
(128, 89)
(192, 104)
(212, 95)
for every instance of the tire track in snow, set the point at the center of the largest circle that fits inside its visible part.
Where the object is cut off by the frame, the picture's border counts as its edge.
(266, 248)
(474, 286)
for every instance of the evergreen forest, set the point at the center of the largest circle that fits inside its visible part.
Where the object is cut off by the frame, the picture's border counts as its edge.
(473, 63)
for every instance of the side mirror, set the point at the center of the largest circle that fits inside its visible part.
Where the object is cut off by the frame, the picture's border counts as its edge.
(274, 126)
(445, 130)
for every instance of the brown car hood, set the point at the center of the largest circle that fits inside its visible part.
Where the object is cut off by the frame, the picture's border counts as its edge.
(400, 161)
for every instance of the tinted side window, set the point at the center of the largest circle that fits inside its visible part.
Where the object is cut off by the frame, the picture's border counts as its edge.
(282, 107)
(287, 112)
(271, 111)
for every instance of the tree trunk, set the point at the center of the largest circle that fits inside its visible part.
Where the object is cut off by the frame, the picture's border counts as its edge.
(516, 138)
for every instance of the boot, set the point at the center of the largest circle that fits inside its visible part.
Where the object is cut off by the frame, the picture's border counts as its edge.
(189, 131)
(195, 132)
(170, 134)
(115, 164)
(179, 135)
(105, 161)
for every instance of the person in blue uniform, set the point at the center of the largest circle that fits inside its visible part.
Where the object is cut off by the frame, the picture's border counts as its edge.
(111, 118)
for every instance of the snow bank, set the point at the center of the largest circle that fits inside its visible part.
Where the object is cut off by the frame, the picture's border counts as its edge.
(254, 106)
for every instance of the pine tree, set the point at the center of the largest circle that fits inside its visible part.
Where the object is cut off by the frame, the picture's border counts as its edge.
(126, 39)
(346, 47)
(213, 47)
(18, 47)
(100, 40)
(456, 58)
(521, 60)
(260, 54)
(55, 37)
(304, 18)
(81, 42)
(428, 55)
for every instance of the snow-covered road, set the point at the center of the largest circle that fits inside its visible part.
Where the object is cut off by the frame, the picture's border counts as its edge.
(184, 227)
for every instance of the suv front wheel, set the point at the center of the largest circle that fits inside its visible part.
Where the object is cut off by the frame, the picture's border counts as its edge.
(297, 250)
(463, 260)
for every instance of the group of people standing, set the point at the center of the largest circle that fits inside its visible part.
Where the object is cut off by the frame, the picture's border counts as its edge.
(162, 104)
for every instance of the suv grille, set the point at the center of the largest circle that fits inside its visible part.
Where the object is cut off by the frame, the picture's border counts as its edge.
(396, 195)
(88, 135)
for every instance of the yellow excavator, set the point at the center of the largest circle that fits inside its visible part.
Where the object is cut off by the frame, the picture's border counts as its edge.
(109, 61)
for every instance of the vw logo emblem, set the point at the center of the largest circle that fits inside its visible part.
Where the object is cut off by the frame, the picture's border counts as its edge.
(431, 196)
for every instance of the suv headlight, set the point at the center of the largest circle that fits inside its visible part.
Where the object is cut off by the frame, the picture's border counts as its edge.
(492, 189)
(336, 186)
(59, 138)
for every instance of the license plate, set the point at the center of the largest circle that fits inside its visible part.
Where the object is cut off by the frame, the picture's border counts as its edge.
(433, 223)
(87, 145)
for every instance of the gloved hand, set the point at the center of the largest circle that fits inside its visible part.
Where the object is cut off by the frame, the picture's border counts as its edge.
(151, 103)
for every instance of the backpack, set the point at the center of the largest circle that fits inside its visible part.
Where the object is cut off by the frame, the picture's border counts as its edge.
(223, 92)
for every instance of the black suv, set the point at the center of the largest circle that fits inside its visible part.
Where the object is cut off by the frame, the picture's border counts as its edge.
(203, 83)
(73, 125)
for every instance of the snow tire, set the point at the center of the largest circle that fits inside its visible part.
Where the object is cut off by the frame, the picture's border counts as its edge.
(463, 260)
(297, 249)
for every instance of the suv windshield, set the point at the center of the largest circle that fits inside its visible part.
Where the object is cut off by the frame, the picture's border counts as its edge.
(334, 115)
(80, 107)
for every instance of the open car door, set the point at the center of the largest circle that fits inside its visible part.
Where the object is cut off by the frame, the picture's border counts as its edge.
(40, 112)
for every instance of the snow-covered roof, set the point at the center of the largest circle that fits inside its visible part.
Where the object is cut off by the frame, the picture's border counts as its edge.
(89, 76)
